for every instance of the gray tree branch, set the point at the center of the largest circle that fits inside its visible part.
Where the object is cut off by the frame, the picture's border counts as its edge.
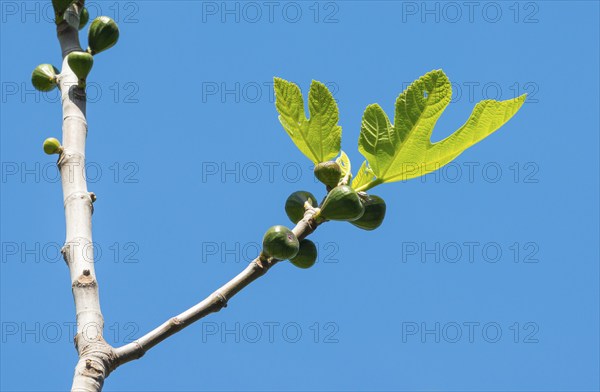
(95, 355)
(211, 304)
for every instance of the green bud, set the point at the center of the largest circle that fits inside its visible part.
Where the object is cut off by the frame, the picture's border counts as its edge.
(52, 146)
(43, 77)
(84, 16)
(81, 63)
(294, 205)
(329, 173)
(307, 255)
(102, 34)
(280, 242)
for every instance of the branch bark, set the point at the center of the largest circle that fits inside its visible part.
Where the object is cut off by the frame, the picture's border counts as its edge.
(211, 304)
(95, 355)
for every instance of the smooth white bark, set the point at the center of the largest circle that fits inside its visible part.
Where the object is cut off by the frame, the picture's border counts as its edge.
(95, 355)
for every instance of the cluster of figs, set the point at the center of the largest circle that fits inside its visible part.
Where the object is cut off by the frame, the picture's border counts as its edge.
(342, 203)
(103, 33)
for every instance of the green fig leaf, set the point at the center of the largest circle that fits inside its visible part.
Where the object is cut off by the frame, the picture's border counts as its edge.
(344, 163)
(319, 138)
(364, 176)
(404, 150)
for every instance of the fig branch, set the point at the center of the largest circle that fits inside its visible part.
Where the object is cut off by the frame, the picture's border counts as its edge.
(214, 302)
(279, 243)
(94, 353)
(393, 152)
(96, 357)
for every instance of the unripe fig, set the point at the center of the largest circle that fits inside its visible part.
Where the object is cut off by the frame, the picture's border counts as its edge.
(84, 17)
(43, 77)
(81, 63)
(52, 146)
(102, 34)
(280, 242)
(329, 173)
(374, 213)
(342, 204)
(307, 255)
(294, 205)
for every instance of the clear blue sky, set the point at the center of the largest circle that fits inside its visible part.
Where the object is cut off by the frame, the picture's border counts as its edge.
(484, 276)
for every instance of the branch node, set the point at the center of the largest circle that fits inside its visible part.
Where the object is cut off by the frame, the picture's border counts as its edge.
(70, 158)
(85, 281)
(80, 196)
(141, 350)
(259, 261)
(65, 251)
(176, 322)
(221, 299)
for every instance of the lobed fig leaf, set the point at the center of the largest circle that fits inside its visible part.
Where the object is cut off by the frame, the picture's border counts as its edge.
(404, 150)
(319, 138)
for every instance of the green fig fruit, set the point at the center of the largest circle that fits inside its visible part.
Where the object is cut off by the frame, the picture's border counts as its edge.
(280, 242)
(102, 34)
(307, 255)
(52, 146)
(374, 213)
(342, 204)
(60, 6)
(329, 173)
(81, 63)
(43, 77)
(294, 205)
(84, 17)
